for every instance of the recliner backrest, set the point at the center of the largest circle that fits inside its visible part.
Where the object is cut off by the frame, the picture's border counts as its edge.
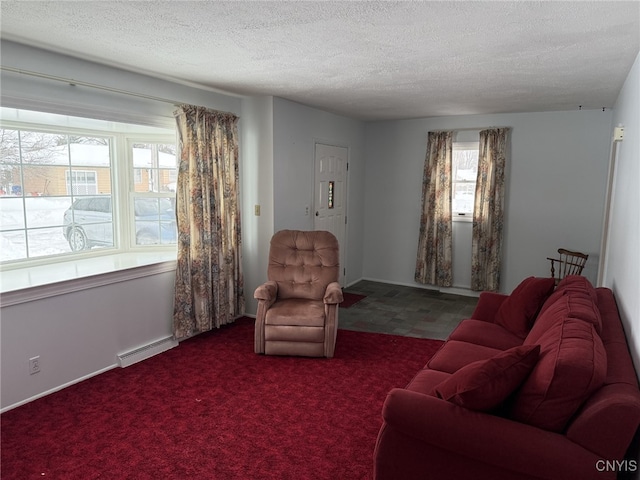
(303, 263)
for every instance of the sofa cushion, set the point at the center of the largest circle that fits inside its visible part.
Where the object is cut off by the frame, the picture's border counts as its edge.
(571, 305)
(556, 314)
(484, 385)
(571, 284)
(454, 355)
(426, 379)
(572, 365)
(583, 307)
(518, 312)
(485, 333)
(296, 311)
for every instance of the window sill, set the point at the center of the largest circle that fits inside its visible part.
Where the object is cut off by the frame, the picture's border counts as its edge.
(462, 218)
(34, 283)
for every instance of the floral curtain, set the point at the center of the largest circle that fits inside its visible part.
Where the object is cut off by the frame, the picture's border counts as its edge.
(209, 281)
(488, 210)
(433, 263)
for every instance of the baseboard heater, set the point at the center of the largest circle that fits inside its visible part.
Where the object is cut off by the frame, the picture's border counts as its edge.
(146, 351)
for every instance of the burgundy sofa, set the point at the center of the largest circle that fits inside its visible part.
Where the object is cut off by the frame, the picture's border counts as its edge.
(536, 385)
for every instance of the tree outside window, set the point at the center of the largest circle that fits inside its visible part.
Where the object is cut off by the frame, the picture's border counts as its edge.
(46, 176)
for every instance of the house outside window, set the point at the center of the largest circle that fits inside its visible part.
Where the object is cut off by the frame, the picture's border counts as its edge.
(154, 195)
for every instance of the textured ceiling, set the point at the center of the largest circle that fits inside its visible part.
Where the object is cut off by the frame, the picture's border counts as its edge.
(368, 60)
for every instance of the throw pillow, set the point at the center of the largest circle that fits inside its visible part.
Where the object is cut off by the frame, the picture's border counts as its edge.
(484, 385)
(518, 312)
(572, 365)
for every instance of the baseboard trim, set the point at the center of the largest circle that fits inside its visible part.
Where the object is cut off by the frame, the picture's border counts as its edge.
(58, 388)
(350, 284)
(455, 290)
(146, 351)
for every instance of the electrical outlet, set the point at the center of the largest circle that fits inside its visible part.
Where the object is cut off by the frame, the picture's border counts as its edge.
(618, 134)
(34, 365)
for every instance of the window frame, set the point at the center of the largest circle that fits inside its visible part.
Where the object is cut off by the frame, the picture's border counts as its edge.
(131, 182)
(121, 172)
(458, 216)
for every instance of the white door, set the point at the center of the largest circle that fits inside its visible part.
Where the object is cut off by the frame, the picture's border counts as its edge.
(330, 194)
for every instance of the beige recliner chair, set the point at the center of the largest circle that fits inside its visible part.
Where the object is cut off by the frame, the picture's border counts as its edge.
(298, 305)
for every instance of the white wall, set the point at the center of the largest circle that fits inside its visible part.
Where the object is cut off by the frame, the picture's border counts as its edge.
(256, 187)
(47, 95)
(622, 272)
(556, 181)
(80, 334)
(296, 129)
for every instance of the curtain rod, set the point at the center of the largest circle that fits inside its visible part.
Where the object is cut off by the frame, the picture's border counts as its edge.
(464, 129)
(74, 83)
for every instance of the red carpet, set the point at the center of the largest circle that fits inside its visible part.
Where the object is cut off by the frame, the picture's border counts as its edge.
(350, 299)
(212, 409)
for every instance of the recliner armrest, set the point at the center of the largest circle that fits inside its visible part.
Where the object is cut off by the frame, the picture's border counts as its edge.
(268, 292)
(333, 294)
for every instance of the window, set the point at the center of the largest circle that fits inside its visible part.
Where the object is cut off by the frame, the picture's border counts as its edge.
(464, 172)
(81, 182)
(154, 164)
(63, 187)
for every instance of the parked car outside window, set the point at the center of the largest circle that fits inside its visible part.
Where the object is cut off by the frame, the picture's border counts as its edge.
(89, 222)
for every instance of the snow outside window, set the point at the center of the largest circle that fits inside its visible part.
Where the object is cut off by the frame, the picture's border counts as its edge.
(464, 173)
(63, 187)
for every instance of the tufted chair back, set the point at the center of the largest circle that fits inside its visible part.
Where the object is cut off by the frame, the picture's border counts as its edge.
(298, 304)
(303, 263)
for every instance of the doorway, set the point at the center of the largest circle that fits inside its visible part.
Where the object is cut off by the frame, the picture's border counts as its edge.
(330, 195)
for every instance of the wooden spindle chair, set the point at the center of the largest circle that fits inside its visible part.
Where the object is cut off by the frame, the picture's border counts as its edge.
(568, 263)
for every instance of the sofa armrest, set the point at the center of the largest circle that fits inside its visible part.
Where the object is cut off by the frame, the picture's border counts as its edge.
(267, 292)
(333, 294)
(488, 306)
(486, 438)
